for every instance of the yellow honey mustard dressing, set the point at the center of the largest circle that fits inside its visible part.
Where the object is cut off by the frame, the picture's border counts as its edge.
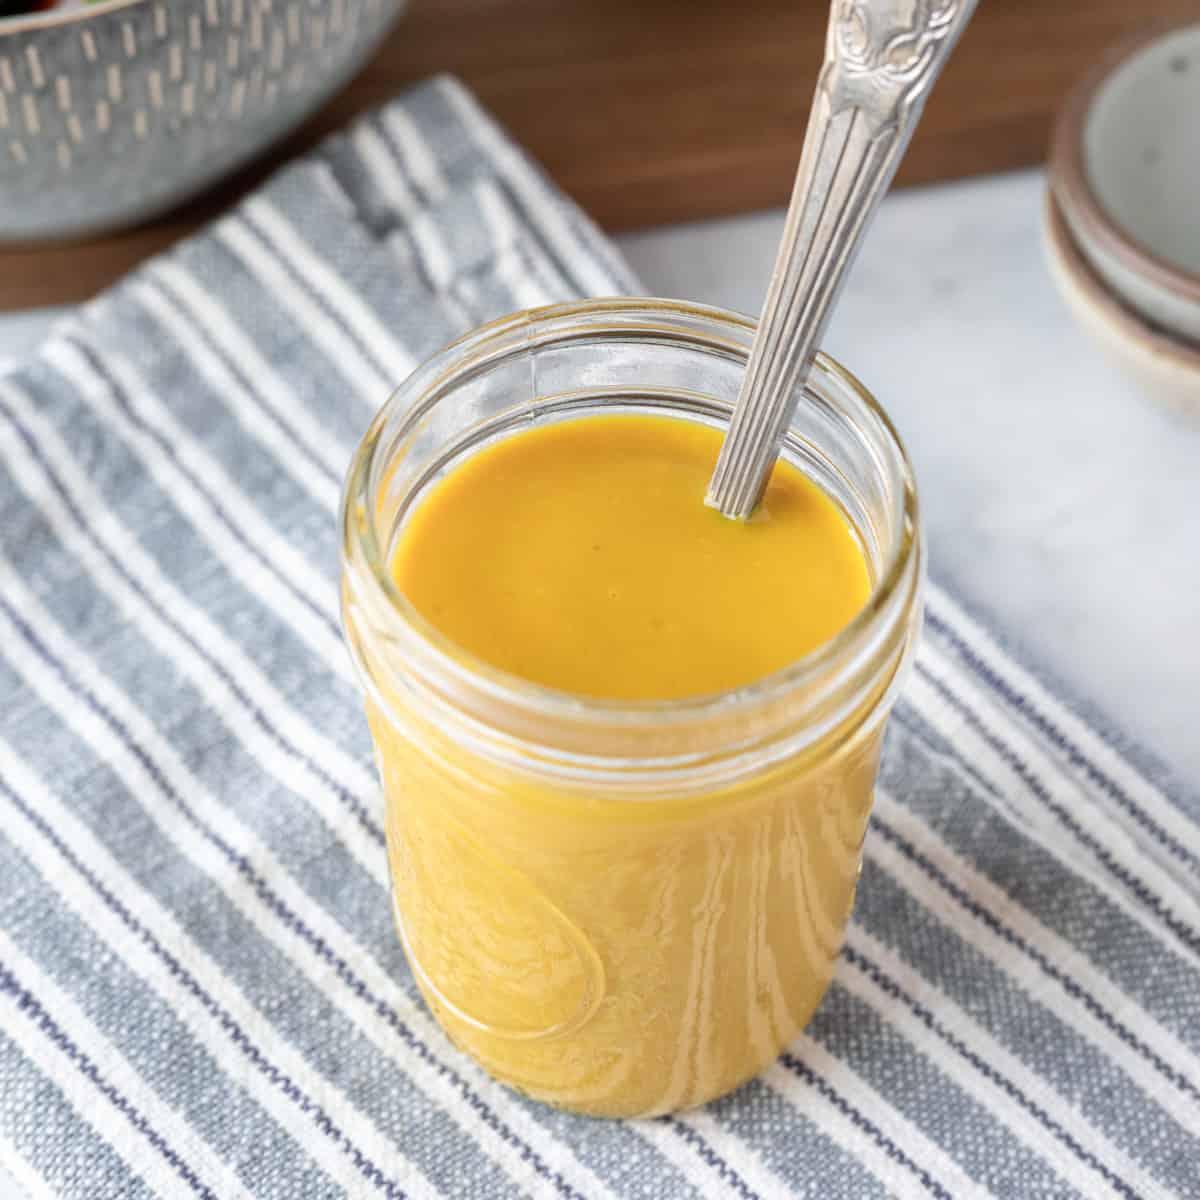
(580, 555)
(611, 954)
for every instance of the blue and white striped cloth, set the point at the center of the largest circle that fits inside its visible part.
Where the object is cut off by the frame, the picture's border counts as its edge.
(201, 994)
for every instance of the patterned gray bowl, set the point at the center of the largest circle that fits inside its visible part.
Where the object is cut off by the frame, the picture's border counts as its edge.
(114, 113)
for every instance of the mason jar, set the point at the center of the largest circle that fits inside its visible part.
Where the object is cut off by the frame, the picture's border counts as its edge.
(623, 908)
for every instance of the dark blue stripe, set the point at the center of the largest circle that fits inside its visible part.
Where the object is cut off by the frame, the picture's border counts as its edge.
(927, 1018)
(919, 727)
(180, 973)
(863, 1123)
(1058, 739)
(119, 394)
(268, 243)
(231, 364)
(710, 1157)
(344, 794)
(1014, 939)
(274, 903)
(31, 1007)
(1181, 929)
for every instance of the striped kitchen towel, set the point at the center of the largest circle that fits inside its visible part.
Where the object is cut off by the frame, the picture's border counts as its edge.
(201, 994)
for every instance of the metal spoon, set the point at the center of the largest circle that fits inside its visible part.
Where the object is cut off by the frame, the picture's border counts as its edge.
(881, 60)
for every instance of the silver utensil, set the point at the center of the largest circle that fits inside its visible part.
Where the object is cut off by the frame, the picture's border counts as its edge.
(881, 60)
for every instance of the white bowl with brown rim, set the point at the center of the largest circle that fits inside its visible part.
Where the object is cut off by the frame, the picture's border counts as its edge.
(1125, 173)
(1164, 367)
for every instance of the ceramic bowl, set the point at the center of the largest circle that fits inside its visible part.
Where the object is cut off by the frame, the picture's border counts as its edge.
(115, 112)
(1162, 365)
(1125, 172)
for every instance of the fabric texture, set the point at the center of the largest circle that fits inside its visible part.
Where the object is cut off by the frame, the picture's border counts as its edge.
(201, 993)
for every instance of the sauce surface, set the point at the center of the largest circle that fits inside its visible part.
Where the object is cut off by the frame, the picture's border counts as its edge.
(580, 555)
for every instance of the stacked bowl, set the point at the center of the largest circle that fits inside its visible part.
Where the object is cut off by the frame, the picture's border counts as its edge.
(1122, 218)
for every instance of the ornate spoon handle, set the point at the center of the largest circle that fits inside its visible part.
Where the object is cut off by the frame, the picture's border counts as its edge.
(881, 60)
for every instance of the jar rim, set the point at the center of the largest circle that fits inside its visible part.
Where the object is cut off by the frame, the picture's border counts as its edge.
(471, 348)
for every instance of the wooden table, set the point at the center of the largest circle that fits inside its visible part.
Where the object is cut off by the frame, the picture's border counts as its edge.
(649, 111)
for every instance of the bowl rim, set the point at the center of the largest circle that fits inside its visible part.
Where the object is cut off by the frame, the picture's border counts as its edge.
(1130, 324)
(1072, 186)
(47, 20)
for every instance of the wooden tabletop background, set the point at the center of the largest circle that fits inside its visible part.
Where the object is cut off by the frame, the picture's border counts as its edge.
(649, 111)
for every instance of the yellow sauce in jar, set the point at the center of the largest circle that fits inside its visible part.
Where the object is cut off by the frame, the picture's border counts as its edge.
(623, 956)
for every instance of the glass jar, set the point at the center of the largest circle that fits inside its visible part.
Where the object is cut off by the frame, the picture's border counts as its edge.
(622, 908)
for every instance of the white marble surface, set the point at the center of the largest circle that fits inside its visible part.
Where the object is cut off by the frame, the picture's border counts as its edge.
(1057, 499)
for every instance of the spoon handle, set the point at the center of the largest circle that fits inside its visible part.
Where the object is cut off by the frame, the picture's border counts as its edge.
(881, 60)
